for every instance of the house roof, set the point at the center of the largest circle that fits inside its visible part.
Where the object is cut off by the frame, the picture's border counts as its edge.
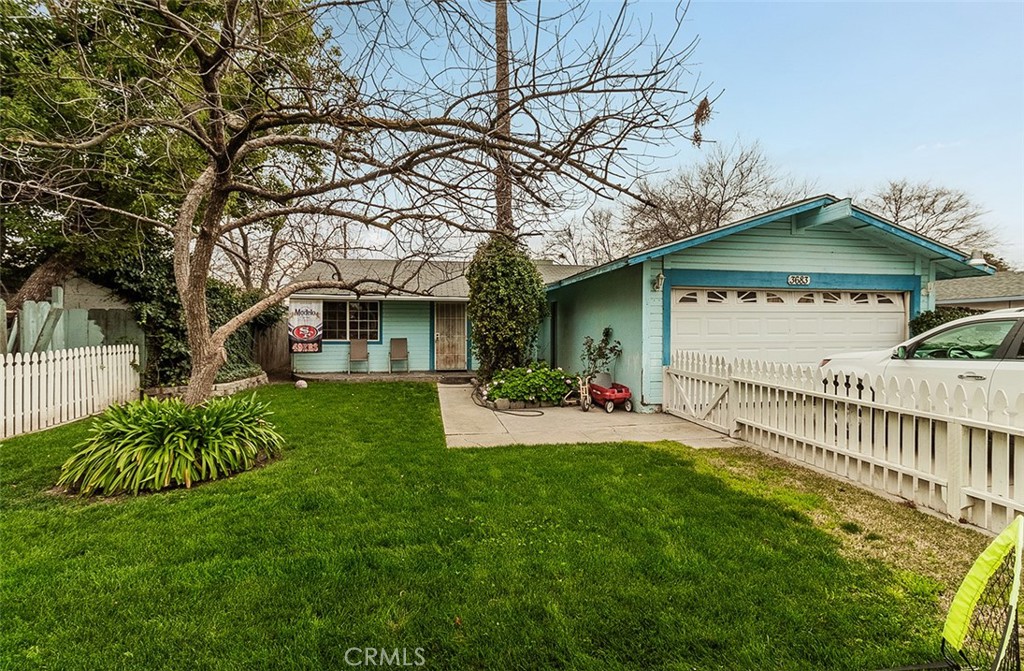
(1007, 285)
(409, 279)
(808, 213)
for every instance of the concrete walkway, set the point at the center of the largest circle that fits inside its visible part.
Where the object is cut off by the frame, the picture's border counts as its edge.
(466, 424)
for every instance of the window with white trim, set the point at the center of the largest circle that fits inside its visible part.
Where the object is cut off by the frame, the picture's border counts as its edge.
(351, 320)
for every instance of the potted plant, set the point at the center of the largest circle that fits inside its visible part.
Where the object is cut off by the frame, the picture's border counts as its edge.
(597, 357)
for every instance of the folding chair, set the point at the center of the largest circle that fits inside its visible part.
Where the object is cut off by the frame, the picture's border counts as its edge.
(358, 352)
(399, 352)
(980, 633)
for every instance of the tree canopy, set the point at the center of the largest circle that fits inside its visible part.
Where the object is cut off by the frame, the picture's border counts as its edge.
(378, 113)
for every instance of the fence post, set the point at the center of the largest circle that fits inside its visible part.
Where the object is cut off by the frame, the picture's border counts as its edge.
(732, 400)
(954, 469)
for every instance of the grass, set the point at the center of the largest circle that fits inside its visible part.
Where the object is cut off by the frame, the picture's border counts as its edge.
(370, 534)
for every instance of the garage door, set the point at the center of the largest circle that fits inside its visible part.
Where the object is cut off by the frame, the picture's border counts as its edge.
(790, 326)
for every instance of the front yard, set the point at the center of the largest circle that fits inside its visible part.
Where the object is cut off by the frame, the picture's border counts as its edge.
(369, 534)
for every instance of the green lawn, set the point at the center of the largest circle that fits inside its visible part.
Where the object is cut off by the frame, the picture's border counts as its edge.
(369, 533)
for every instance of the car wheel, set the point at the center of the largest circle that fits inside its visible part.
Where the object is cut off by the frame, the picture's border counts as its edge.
(609, 406)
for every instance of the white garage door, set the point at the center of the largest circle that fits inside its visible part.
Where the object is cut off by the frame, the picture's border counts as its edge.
(790, 326)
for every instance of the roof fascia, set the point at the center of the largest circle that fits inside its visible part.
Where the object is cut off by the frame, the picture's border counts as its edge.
(695, 240)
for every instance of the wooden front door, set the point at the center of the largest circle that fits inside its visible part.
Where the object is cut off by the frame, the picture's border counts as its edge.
(450, 336)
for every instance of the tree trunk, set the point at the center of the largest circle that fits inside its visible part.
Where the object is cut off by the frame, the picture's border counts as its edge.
(502, 176)
(204, 373)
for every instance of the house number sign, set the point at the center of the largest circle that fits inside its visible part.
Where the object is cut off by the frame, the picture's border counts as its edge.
(798, 280)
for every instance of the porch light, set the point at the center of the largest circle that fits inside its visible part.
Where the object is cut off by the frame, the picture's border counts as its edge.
(977, 259)
(659, 282)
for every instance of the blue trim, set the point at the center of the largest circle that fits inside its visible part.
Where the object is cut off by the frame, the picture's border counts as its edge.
(775, 280)
(431, 342)
(730, 230)
(698, 239)
(911, 237)
(944, 253)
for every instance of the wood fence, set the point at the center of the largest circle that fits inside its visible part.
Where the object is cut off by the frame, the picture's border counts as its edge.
(954, 451)
(44, 389)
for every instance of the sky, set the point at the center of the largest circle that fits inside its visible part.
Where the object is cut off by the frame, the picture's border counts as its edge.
(851, 95)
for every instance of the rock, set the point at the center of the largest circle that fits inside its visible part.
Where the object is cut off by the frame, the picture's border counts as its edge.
(502, 404)
(518, 405)
(301, 384)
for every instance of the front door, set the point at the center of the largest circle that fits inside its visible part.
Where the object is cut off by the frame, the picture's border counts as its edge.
(450, 336)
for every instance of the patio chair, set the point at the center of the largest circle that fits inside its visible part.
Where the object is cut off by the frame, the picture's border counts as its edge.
(358, 352)
(399, 352)
(981, 629)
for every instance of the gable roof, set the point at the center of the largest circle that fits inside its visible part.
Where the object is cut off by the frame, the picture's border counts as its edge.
(1006, 285)
(807, 213)
(409, 279)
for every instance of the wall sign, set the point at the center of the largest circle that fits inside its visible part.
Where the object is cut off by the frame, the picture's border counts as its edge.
(798, 280)
(305, 326)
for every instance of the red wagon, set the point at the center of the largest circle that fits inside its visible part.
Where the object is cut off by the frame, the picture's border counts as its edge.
(609, 397)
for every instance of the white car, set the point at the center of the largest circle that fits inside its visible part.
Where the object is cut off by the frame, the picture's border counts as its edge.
(980, 352)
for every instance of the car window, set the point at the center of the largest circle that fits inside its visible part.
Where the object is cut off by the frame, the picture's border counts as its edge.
(979, 340)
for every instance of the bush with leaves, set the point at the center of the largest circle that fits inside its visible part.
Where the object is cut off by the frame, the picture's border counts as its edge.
(939, 316)
(145, 278)
(535, 383)
(150, 445)
(598, 356)
(506, 304)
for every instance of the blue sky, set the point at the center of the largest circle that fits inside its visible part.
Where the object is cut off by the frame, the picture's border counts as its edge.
(849, 95)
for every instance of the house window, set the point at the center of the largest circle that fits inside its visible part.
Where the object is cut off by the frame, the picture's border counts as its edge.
(351, 320)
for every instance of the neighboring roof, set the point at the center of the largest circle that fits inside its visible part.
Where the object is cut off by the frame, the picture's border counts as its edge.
(1006, 285)
(409, 278)
(810, 212)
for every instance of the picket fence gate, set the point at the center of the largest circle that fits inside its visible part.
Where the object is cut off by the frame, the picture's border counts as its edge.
(44, 389)
(955, 451)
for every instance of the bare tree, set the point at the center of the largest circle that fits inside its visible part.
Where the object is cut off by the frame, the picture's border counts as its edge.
(946, 215)
(591, 240)
(727, 185)
(378, 112)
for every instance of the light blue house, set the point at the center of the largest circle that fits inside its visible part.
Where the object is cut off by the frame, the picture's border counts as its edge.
(794, 284)
(421, 302)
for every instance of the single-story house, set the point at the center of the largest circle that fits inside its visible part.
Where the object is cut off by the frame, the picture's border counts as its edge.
(807, 279)
(423, 302)
(1005, 289)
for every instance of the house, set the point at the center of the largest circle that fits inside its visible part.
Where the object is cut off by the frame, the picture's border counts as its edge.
(423, 302)
(804, 280)
(1002, 290)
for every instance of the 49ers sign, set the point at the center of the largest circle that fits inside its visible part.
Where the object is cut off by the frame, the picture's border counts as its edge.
(305, 326)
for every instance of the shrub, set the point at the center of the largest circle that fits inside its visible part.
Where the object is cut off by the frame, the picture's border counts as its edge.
(596, 357)
(506, 304)
(939, 316)
(531, 384)
(150, 445)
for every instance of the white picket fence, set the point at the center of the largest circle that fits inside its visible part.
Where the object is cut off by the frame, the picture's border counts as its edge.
(955, 451)
(44, 389)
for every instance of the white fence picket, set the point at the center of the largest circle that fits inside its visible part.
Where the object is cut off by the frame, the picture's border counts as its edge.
(44, 389)
(951, 450)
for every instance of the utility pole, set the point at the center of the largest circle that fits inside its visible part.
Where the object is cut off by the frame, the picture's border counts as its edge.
(503, 122)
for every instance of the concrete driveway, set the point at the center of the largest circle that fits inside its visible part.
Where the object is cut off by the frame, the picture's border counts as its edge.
(467, 424)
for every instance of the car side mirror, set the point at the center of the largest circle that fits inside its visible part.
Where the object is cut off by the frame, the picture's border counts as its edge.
(900, 353)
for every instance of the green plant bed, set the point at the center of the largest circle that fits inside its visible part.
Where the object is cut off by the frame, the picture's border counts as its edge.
(536, 383)
(149, 445)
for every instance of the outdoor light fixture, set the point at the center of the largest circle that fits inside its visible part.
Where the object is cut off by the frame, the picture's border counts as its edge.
(977, 259)
(658, 282)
